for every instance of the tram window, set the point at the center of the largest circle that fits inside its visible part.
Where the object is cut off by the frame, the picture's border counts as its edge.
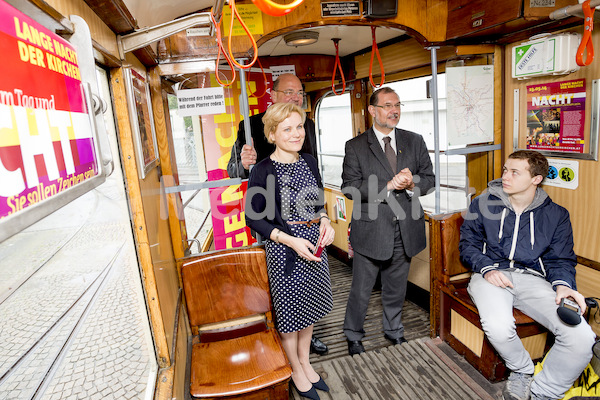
(334, 124)
(417, 116)
(189, 157)
(107, 113)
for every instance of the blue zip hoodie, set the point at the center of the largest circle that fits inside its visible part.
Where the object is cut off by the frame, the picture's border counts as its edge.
(537, 241)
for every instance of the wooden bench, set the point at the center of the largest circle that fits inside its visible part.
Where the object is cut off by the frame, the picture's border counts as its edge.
(236, 351)
(454, 317)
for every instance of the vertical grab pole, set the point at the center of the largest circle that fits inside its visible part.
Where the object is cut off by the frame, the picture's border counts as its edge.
(245, 107)
(436, 125)
(245, 111)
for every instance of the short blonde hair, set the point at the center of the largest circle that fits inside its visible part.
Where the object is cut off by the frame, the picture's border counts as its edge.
(277, 113)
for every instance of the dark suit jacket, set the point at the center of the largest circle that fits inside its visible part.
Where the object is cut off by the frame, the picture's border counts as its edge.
(262, 146)
(364, 161)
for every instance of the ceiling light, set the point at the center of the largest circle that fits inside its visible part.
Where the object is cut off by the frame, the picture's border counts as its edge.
(301, 38)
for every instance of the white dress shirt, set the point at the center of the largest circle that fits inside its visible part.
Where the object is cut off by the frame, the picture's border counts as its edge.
(392, 135)
(380, 136)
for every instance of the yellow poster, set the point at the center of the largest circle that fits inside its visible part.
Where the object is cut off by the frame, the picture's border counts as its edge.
(251, 16)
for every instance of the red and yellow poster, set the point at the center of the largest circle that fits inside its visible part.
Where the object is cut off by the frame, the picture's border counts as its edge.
(219, 135)
(46, 139)
(556, 116)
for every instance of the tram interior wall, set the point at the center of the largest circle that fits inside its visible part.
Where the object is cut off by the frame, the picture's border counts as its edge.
(582, 202)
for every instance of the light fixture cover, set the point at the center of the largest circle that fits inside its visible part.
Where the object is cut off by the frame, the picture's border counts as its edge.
(301, 38)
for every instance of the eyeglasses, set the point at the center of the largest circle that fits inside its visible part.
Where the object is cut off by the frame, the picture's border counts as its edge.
(291, 92)
(389, 107)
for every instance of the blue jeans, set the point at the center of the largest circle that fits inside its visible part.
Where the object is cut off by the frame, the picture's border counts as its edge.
(534, 296)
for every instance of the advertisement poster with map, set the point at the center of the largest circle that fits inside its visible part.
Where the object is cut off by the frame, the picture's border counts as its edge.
(470, 104)
(556, 116)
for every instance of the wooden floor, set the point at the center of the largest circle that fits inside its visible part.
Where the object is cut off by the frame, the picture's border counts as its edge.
(424, 368)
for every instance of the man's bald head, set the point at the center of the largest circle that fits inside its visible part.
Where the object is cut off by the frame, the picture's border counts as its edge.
(287, 88)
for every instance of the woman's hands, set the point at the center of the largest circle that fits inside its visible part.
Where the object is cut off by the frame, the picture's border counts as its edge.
(303, 247)
(326, 232)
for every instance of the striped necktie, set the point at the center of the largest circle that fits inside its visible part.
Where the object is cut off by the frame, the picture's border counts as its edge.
(389, 153)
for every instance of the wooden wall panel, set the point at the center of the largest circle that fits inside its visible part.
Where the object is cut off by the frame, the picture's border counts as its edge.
(341, 227)
(99, 30)
(588, 284)
(161, 251)
(420, 271)
(155, 211)
(180, 384)
(168, 167)
(466, 332)
(308, 68)
(400, 56)
(582, 203)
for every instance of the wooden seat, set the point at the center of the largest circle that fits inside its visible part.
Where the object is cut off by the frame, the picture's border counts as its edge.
(236, 352)
(454, 316)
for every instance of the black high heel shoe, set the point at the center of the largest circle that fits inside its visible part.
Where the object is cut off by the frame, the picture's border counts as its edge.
(321, 385)
(309, 394)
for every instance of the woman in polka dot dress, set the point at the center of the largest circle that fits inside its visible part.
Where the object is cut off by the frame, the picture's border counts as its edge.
(284, 205)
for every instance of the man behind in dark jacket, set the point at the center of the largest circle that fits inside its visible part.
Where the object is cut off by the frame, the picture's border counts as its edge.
(287, 88)
(519, 244)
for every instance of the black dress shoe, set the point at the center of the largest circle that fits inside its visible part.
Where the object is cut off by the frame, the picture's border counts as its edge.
(321, 385)
(316, 346)
(355, 347)
(395, 341)
(309, 394)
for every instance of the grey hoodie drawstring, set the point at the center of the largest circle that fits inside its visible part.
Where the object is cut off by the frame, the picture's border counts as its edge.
(531, 229)
(501, 224)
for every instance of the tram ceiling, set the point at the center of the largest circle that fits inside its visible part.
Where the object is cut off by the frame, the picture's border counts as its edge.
(155, 12)
(353, 40)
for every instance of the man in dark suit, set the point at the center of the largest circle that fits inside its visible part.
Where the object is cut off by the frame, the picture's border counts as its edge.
(287, 88)
(385, 171)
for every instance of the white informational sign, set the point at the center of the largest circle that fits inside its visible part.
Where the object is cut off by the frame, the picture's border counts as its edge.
(200, 101)
(282, 69)
(470, 104)
(563, 174)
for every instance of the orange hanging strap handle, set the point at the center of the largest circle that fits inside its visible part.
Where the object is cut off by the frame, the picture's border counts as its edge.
(586, 40)
(234, 13)
(375, 50)
(266, 82)
(274, 9)
(221, 48)
(337, 66)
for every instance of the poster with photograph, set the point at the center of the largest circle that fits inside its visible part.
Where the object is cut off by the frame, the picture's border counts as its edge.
(556, 116)
(143, 125)
(340, 206)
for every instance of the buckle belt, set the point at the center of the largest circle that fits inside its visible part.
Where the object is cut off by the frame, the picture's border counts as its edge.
(307, 223)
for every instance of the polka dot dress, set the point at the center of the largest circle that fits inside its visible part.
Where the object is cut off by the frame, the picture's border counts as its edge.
(303, 297)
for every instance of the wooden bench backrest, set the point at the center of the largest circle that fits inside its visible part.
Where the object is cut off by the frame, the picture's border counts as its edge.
(226, 285)
(444, 239)
(450, 239)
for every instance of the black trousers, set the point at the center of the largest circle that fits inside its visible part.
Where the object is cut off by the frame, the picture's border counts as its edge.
(394, 276)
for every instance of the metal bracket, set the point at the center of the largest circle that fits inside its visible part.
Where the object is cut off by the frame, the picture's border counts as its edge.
(143, 37)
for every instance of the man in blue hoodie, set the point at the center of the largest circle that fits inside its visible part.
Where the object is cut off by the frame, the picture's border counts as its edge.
(519, 244)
